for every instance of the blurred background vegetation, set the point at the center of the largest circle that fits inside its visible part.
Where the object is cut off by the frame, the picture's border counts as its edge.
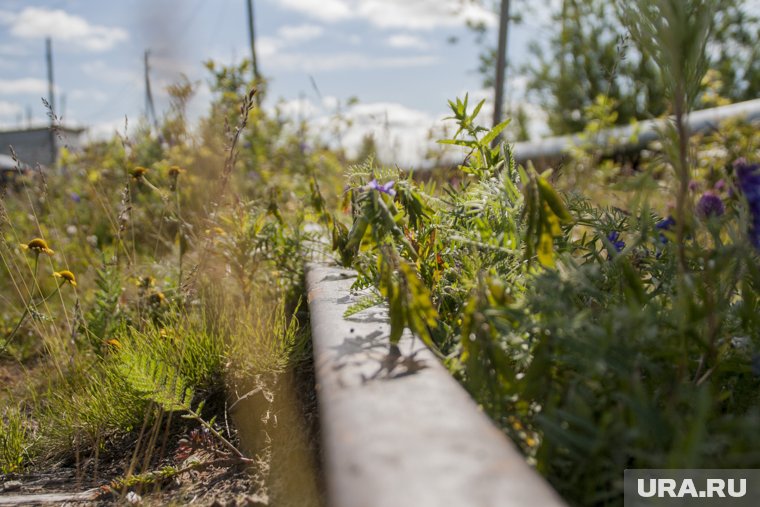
(604, 312)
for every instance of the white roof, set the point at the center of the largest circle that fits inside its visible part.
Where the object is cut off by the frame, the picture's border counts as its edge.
(7, 162)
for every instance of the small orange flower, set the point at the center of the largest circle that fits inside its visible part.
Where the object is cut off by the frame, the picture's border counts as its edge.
(38, 246)
(66, 276)
(138, 172)
(113, 342)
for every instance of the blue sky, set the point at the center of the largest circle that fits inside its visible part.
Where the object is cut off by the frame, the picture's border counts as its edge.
(393, 55)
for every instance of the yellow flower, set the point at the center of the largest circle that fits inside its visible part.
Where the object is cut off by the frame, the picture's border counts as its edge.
(216, 231)
(66, 276)
(156, 298)
(138, 172)
(146, 282)
(175, 171)
(38, 246)
(114, 343)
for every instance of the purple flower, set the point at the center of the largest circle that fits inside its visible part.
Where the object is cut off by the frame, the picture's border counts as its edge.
(617, 243)
(748, 180)
(386, 188)
(710, 205)
(75, 197)
(665, 225)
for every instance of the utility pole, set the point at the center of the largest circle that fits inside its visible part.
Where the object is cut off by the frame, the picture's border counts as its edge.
(252, 38)
(51, 98)
(150, 108)
(501, 64)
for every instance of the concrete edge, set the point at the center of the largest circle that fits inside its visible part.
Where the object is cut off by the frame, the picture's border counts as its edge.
(399, 430)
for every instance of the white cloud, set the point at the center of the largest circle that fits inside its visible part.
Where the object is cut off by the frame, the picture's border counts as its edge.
(341, 61)
(9, 108)
(296, 109)
(107, 129)
(409, 14)
(28, 85)
(401, 133)
(325, 10)
(421, 14)
(36, 22)
(300, 33)
(286, 37)
(267, 46)
(407, 41)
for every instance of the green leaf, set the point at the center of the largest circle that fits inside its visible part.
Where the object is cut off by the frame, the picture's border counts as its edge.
(494, 133)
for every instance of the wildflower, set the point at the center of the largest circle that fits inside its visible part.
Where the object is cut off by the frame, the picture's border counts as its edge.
(175, 171)
(617, 243)
(66, 276)
(38, 246)
(146, 282)
(156, 298)
(138, 173)
(386, 188)
(113, 342)
(218, 231)
(748, 179)
(663, 226)
(75, 197)
(710, 205)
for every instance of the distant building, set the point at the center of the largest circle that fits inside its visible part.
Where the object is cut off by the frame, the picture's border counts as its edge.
(7, 163)
(36, 145)
(9, 171)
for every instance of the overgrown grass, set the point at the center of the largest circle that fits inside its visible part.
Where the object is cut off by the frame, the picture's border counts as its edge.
(599, 337)
(14, 441)
(150, 285)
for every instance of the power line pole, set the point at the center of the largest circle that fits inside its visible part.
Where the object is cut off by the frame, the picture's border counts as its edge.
(150, 108)
(501, 63)
(51, 98)
(252, 38)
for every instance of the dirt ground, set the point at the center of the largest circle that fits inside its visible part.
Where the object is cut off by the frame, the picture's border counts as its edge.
(280, 436)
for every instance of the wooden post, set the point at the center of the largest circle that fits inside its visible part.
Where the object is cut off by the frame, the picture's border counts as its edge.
(51, 99)
(252, 38)
(150, 108)
(501, 65)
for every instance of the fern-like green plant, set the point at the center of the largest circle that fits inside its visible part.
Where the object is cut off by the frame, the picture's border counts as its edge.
(104, 314)
(155, 380)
